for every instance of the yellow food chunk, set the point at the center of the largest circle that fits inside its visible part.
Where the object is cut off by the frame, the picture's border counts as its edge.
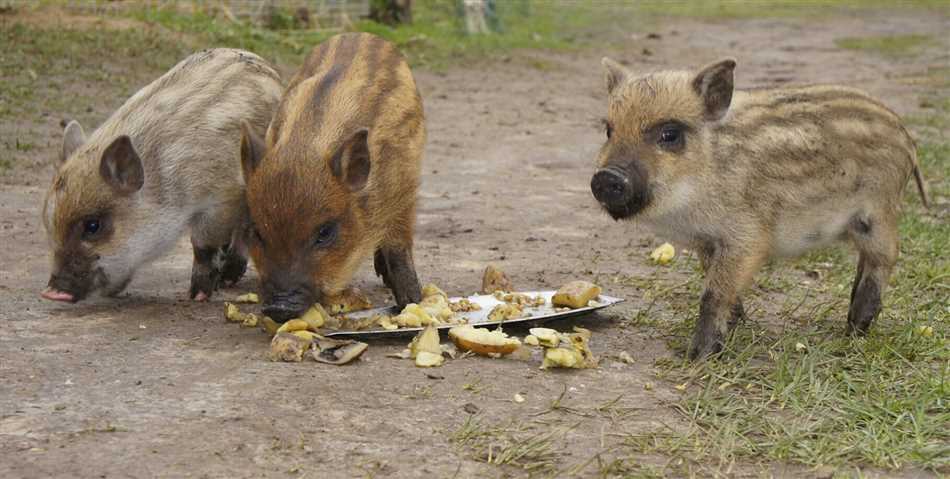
(576, 294)
(495, 279)
(387, 323)
(531, 340)
(464, 305)
(482, 341)
(505, 311)
(433, 290)
(232, 312)
(561, 358)
(269, 325)
(306, 335)
(250, 320)
(287, 347)
(315, 317)
(248, 298)
(426, 359)
(546, 337)
(348, 300)
(437, 307)
(663, 254)
(293, 325)
(427, 340)
(521, 299)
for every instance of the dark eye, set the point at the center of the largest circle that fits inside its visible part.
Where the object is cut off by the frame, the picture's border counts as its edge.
(671, 136)
(609, 129)
(256, 235)
(326, 234)
(90, 228)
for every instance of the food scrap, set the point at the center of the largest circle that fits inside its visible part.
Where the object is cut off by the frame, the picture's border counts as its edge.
(576, 294)
(482, 341)
(425, 348)
(495, 279)
(663, 254)
(348, 300)
(248, 298)
(563, 350)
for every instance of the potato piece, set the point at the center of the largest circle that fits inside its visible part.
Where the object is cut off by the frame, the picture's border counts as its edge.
(269, 325)
(413, 316)
(293, 325)
(337, 351)
(348, 300)
(250, 320)
(433, 290)
(494, 279)
(308, 335)
(505, 311)
(531, 340)
(521, 299)
(233, 313)
(427, 340)
(387, 323)
(663, 254)
(315, 317)
(464, 305)
(546, 337)
(248, 298)
(426, 359)
(437, 307)
(561, 358)
(482, 341)
(576, 294)
(288, 347)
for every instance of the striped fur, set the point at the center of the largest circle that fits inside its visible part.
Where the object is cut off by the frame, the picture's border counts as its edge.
(185, 127)
(778, 173)
(350, 83)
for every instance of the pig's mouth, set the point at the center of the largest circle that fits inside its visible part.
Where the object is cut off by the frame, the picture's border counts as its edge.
(72, 288)
(621, 193)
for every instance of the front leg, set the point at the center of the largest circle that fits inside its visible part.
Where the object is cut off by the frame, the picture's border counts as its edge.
(219, 253)
(206, 270)
(396, 267)
(729, 270)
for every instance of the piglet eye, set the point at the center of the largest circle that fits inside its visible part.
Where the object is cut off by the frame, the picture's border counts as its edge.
(609, 129)
(90, 228)
(326, 235)
(669, 135)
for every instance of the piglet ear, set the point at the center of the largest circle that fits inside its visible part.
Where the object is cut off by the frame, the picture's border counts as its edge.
(252, 150)
(616, 74)
(714, 85)
(351, 163)
(73, 138)
(121, 167)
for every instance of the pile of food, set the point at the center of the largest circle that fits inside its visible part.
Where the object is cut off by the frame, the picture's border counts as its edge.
(301, 337)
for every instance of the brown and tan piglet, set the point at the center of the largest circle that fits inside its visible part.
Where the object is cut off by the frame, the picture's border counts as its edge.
(334, 181)
(745, 176)
(166, 162)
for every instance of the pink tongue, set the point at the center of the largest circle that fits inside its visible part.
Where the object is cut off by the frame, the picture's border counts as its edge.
(55, 295)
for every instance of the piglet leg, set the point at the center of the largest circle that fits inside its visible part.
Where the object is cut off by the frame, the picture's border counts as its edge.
(396, 267)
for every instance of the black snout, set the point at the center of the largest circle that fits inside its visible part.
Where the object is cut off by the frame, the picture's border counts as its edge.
(621, 192)
(285, 306)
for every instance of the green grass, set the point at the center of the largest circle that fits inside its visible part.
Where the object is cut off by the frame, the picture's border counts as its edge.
(436, 37)
(742, 9)
(892, 46)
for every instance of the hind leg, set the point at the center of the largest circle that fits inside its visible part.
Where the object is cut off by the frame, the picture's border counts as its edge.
(876, 240)
(217, 257)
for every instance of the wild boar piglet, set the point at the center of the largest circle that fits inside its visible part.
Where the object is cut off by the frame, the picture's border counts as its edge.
(334, 181)
(744, 176)
(167, 160)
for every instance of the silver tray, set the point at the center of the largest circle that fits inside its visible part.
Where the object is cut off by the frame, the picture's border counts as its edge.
(480, 317)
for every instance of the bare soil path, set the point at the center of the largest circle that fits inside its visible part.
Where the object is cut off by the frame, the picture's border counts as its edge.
(151, 384)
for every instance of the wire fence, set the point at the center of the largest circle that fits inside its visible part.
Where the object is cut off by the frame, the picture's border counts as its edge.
(298, 13)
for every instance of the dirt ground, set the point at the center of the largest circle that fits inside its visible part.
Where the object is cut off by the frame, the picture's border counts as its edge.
(151, 384)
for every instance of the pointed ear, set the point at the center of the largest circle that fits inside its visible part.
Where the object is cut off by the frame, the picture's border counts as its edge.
(616, 74)
(351, 163)
(252, 150)
(73, 138)
(714, 85)
(121, 167)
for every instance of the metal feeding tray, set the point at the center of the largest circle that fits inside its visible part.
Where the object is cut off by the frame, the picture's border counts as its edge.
(480, 317)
